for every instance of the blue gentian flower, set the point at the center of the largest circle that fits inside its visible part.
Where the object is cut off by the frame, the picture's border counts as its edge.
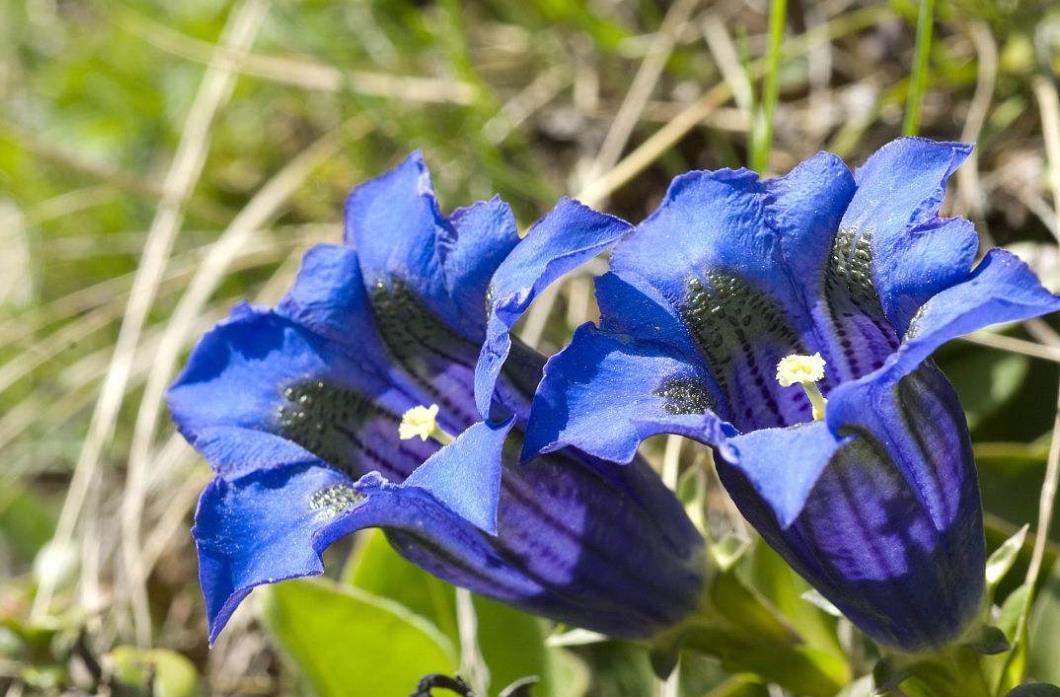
(298, 409)
(877, 503)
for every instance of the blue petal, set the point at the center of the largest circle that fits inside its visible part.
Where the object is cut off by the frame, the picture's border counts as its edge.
(467, 476)
(1000, 289)
(564, 239)
(632, 309)
(914, 253)
(805, 207)
(703, 299)
(891, 529)
(604, 396)
(329, 298)
(784, 464)
(273, 525)
(425, 277)
(404, 241)
(260, 391)
(739, 263)
(259, 529)
(563, 547)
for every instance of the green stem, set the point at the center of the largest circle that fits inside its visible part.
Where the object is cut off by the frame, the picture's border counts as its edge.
(762, 145)
(918, 80)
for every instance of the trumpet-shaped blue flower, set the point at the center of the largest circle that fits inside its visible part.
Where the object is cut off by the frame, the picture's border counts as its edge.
(876, 503)
(298, 407)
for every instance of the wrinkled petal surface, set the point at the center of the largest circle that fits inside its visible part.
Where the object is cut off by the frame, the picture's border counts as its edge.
(260, 390)
(912, 254)
(561, 547)
(564, 239)
(891, 530)
(405, 244)
(604, 396)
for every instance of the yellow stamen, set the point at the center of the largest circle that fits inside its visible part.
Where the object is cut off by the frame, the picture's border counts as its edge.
(806, 371)
(422, 422)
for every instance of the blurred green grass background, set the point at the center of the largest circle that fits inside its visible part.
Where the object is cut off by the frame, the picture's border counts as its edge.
(161, 161)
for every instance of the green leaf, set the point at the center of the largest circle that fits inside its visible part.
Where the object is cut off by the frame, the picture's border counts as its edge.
(376, 568)
(513, 645)
(1016, 661)
(1044, 645)
(737, 625)
(739, 686)
(745, 608)
(619, 668)
(26, 522)
(349, 643)
(800, 669)
(1010, 612)
(512, 642)
(570, 675)
(1001, 561)
(1038, 689)
(174, 675)
(988, 641)
(985, 379)
(728, 551)
(786, 591)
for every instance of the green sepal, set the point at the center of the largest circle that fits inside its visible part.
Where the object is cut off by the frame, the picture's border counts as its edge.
(1001, 561)
(1038, 689)
(988, 641)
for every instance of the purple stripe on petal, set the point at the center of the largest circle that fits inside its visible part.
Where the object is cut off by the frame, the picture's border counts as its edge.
(891, 531)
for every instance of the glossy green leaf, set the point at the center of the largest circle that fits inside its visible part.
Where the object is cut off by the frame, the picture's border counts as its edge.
(985, 379)
(1004, 557)
(988, 641)
(512, 642)
(346, 642)
(513, 645)
(376, 568)
(1039, 689)
(172, 674)
(1043, 660)
(786, 591)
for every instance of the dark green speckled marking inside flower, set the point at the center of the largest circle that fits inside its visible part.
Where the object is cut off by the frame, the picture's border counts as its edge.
(741, 332)
(328, 421)
(685, 395)
(335, 500)
(864, 335)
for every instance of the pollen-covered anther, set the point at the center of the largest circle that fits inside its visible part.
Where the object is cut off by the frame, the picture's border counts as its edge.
(805, 371)
(422, 422)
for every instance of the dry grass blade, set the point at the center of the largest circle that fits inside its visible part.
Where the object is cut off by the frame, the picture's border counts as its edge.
(662, 140)
(727, 58)
(1049, 105)
(694, 114)
(187, 165)
(305, 74)
(1010, 344)
(522, 106)
(209, 276)
(969, 191)
(641, 88)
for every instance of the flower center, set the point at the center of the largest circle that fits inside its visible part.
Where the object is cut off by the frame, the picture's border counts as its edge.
(422, 422)
(806, 371)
